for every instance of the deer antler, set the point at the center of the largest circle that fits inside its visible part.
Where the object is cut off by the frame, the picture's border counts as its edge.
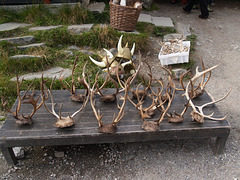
(21, 120)
(62, 122)
(199, 115)
(74, 96)
(199, 90)
(108, 128)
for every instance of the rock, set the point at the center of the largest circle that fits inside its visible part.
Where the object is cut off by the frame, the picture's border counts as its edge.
(50, 73)
(183, 29)
(171, 36)
(86, 52)
(18, 152)
(162, 21)
(59, 154)
(24, 57)
(36, 45)
(79, 29)
(73, 48)
(12, 25)
(147, 3)
(178, 72)
(43, 28)
(20, 40)
(70, 53)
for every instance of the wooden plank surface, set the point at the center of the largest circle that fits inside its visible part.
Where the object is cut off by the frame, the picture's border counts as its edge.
(42, 131)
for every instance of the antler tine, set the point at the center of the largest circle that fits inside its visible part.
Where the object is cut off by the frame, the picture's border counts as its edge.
(181, 81)
(200, 108)
(87, 86)
(73, 88)
(97, 114)
(150, 75)
(51, 97)
(119, 81)
(121, 111)
(61, 81)
(160, 92)
(116, 85)
(4, 104)
(20, 99)
(82, 107)
(168, 106)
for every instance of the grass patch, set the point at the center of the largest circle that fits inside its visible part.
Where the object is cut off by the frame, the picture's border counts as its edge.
(151, 30)
(40, 15)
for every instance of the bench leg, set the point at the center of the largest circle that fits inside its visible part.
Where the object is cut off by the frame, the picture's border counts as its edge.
(9, 156)
(220, 145)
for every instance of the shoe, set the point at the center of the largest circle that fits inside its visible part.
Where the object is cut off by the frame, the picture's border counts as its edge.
(201, 17)
(209, 9)
(185, 11)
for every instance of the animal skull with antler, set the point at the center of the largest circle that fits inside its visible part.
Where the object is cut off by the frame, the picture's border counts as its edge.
(75, 96)
(67, 121)
(119, 61)
(109, 128)
(197, 113)
(21, 119)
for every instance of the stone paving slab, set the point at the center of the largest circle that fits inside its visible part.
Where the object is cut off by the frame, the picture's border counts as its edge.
(97, 7)
(162, 21)
(43, 28)
(31, 46)
(78, 29)
(24, 57)
(50, 73)
(145, 18)
(12, 25)
(20, 40)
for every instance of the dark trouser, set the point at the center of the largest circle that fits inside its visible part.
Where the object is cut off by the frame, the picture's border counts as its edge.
(203, 6)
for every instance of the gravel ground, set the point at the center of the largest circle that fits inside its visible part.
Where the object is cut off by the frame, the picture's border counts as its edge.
(217, 43)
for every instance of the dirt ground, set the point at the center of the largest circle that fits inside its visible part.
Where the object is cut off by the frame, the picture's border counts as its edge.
(217, 43)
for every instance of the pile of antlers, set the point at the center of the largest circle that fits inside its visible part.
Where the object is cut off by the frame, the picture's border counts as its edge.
(161, 99)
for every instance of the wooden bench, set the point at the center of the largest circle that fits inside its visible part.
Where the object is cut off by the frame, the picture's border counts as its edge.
(43, 133)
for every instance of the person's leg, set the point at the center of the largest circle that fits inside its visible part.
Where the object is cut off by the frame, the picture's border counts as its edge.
(189, 5)
(203, 6)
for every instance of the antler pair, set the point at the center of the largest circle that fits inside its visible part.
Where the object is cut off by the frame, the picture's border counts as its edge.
(74, 96)
(21, 119)
(109, 128)
(67, 121)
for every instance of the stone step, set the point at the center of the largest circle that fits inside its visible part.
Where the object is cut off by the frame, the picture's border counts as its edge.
(50, 73)
(19, 57)
(157, 21)
(20, 40)
(43, 28)
(12, 25)
(79, 29)
(35, 45)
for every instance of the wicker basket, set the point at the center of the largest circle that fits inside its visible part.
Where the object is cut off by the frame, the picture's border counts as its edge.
(123, 18)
